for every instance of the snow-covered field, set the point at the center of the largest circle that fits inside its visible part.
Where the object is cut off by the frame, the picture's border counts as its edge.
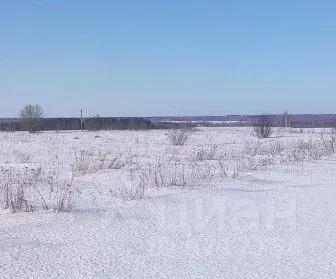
(224, 205)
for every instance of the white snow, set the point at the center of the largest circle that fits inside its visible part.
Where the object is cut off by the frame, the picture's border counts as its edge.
(271, 218)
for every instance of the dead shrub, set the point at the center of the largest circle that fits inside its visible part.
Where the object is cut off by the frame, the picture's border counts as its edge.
(15, 187)
(82, 163)
(131, 186)
(264, 148)
(328, 142)
(87, 162)
(262, 126)
(178, 137)
(203, 171)
(119, 161)
(223, 169)
(204, 153)
(167, 174)
(31, 189)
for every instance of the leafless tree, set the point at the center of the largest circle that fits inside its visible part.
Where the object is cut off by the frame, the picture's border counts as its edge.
(286, 119)
(262, 126)
(31, 115)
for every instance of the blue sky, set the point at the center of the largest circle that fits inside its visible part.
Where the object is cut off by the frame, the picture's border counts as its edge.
(160, 57)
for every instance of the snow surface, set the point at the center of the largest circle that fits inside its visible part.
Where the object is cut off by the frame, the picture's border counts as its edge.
(274, 222)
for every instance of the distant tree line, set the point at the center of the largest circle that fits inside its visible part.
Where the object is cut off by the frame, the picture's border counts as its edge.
(32, 120)
(118, 123)
(93, 124)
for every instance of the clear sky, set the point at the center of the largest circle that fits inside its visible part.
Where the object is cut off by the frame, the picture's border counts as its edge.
(167, 57)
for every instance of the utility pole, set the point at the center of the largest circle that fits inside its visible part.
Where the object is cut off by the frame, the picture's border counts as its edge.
(81, 120)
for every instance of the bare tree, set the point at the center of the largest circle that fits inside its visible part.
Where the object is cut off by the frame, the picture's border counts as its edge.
(31, 115)
(286, 119)
(262, 126)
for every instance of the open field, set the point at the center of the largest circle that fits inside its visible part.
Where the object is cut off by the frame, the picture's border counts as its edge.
(130, 204)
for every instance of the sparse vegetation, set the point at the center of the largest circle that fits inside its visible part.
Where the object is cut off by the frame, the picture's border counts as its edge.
(86, 162)
(131, 185)
(262, 126)
(206, 153)
(30, 189)
(329, 141)
(179, 137)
